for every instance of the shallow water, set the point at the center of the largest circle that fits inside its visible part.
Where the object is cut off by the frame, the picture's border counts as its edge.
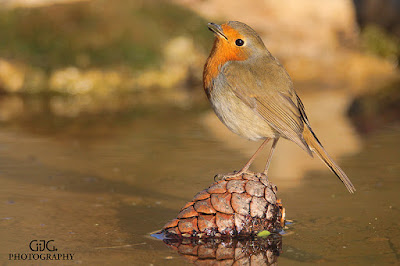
(98, 190)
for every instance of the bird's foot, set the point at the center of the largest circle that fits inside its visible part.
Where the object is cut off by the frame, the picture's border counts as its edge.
(234, 175)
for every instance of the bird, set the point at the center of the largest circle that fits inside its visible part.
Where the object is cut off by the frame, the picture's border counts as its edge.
(253, 95)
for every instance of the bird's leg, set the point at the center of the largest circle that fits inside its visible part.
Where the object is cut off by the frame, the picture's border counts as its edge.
(270, 155)
(245, 167)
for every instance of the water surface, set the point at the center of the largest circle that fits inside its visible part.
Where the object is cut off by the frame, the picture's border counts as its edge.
(99, 185)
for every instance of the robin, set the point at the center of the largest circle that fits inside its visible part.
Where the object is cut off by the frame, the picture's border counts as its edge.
(253, 95)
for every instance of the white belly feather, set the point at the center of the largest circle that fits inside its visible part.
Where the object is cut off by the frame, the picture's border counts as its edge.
(238, 116)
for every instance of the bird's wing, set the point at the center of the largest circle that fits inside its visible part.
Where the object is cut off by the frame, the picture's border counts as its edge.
(265, 86)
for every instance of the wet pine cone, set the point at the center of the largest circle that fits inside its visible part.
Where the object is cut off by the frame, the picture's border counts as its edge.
(241, 206)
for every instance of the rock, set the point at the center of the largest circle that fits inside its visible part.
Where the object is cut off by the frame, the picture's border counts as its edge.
(241, 206)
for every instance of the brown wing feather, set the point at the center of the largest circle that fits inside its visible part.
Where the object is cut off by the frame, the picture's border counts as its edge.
(264, 85)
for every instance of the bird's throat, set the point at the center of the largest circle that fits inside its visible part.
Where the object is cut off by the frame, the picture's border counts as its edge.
(221, 53)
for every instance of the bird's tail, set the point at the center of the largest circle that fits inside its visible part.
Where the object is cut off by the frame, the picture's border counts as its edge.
(316, 147)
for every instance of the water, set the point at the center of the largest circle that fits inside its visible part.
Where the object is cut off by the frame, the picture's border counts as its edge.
(98, 186)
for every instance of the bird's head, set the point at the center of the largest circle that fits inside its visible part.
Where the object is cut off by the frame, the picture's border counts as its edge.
(237, 41)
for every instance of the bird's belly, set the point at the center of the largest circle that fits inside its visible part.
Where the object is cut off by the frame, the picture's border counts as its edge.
(239, 117)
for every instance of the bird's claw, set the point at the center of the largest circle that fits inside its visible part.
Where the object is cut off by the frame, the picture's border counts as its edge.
(219, 177)
(235, 174)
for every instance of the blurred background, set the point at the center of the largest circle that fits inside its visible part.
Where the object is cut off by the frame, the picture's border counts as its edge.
(105, 131)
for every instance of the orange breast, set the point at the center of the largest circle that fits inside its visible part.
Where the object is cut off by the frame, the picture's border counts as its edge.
(222, 52)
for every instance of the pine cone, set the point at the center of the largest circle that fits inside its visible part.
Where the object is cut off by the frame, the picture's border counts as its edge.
(241, 206)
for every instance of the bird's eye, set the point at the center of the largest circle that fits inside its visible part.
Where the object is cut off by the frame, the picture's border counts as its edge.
(239, 42)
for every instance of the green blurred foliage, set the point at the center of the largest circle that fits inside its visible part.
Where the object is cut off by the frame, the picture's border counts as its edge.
(376, 40)
(96, 33)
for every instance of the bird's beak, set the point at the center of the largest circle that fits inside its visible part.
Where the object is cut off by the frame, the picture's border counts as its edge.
(217, 30)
